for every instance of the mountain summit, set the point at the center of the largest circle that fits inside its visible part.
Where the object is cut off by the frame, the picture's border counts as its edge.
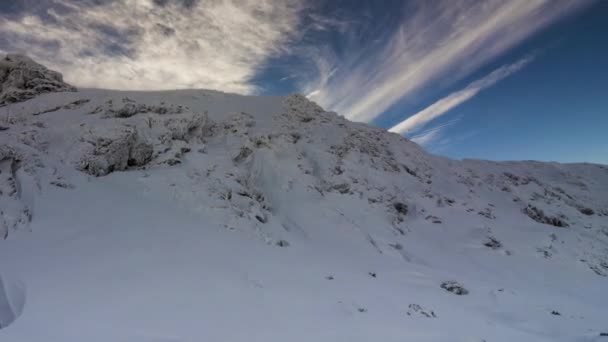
(196, 215)
(22, 79)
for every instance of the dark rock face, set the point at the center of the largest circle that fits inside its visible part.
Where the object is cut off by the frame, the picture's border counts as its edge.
(492, 243)
(400, 207)
(22, 79)
(539, 216)
(454, 287)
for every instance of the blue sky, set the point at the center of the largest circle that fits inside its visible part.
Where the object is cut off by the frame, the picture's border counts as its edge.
(501, 80)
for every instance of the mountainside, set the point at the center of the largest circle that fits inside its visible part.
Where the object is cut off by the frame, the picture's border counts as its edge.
(196, 215)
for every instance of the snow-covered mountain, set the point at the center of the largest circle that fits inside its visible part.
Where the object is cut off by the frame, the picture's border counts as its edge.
(196, 215)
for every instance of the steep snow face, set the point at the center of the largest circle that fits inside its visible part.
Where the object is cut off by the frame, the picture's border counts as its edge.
(197, 215)
(21, 79)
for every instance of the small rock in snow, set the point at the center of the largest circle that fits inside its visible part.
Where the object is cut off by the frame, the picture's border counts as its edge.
(454, 287)
(492, 243)
(400, 207)
(415, 308)
(282, 243)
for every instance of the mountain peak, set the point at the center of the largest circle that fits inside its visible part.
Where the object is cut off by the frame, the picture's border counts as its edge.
(21, 78)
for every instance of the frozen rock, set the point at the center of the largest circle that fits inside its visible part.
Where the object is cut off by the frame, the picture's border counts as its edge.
(454, 287)
(22, 79)
(114, 151)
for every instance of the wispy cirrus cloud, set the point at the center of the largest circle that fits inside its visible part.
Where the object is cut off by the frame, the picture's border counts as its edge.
(357, 60)
(417, 121)
(444, 40)
(426, 137)
(155, 44)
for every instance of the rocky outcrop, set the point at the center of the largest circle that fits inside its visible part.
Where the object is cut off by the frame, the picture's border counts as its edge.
(539, 216)
(127, 108)
(14, 213)
(115, 151)
(22, 79)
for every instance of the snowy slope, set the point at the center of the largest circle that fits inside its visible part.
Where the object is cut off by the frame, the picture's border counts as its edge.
(195, 215)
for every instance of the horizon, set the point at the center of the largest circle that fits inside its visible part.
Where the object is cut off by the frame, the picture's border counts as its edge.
(517, 80)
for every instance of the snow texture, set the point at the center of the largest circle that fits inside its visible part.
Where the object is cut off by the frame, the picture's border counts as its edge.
(196, 215)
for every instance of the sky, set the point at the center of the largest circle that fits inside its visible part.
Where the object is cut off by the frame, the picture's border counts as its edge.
(499, 80)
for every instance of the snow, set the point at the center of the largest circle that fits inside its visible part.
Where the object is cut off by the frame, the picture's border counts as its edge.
(196, 215)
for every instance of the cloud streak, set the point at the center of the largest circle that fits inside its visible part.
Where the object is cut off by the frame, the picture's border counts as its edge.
(357, 60)
(156, 44)
(427, 137)
(444, 105)
(445, 40)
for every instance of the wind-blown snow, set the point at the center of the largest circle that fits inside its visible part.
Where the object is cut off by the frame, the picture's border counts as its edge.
(201, 216)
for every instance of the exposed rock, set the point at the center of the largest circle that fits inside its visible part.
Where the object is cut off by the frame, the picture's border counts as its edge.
(487, 213)
(600, 268)
(433, 219)
(61, 184)
(22, 79)
(454, 287)
(282, 243)
(172, 161)
(302, 108)
(539, 216)
(587, 211)
(128, 108)
(400, 207)
(417, 309)
(243, 153)
(140, 153)
(492, 243)
(114, 151)
(342, 188)
(397, 246)
(14, 213)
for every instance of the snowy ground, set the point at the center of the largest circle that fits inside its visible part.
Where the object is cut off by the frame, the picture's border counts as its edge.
(201, 216)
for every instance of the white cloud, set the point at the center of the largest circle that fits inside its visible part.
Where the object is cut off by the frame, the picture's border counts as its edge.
(427, 137)
(134, 44)
(431, 135)
(223, 44)
(442, 106)
(444, 40)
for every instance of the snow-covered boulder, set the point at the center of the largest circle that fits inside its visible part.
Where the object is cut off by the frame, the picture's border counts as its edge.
(113, 150)
(22, 79)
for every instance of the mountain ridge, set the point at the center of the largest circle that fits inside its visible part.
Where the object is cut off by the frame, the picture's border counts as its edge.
(283, 172)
